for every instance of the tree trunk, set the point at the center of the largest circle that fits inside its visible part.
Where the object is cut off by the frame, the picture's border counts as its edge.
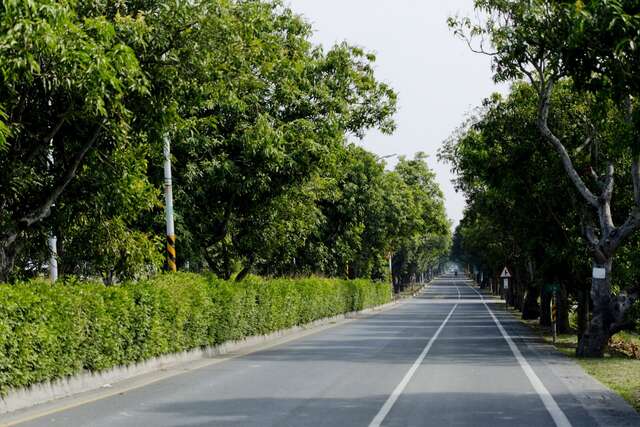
(7, 258)
(563, 311)
(521, 295)
(583, 311)
(513, 294)
(531, 307)
(243, 273)
(545, 309)
(593, 342)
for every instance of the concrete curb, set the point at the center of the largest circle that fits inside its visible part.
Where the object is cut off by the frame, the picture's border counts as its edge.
(37, 394)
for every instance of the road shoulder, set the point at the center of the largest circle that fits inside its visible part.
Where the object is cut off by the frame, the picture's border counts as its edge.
(602, 404)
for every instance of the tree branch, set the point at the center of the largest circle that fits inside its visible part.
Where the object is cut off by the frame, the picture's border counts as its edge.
(56, 128)
(8, 238)
(635, 152)
(44, 209)
(635, 174)
(586, 143)
(607, 192)
(481, 50)
(621, 233)
(590, 235)
(543, 125)
(604, 209)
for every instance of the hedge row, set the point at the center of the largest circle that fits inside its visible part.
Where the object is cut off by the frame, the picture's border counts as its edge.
(49, 332)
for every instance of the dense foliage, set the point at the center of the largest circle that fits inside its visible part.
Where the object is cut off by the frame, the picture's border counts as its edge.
(552, 173)
(49, 332)
(262, 124)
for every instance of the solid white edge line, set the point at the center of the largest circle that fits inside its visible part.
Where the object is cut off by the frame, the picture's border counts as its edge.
(386, 408)
(559, 417)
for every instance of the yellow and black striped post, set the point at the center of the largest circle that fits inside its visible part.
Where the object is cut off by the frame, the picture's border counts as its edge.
(171, 253)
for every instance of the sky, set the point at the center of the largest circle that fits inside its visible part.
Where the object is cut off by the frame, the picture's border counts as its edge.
(438, 79)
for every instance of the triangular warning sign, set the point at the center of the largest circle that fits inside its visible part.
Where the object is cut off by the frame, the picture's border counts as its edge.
(505, 274)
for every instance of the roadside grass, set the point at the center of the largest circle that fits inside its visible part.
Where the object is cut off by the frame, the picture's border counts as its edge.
(619, 369)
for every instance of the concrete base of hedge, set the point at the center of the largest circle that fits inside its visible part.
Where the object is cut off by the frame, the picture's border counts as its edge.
(88, 381)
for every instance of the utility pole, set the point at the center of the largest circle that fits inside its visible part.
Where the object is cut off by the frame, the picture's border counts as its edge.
(53, 240)
(53, 260)
(168, 202)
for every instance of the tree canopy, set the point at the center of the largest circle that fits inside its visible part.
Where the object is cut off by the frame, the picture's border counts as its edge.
(263, 126)
(585, 50)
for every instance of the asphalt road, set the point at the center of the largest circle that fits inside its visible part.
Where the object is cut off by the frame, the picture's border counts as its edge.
(445, 358)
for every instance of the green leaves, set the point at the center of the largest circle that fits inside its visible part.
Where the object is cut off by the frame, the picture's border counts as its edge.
(261, 115)
(67, 82)
(258, 118)
(49, 332)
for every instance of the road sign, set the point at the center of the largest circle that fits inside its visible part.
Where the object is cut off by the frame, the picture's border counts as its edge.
(599, 273)
(505, 283)
(505, 274)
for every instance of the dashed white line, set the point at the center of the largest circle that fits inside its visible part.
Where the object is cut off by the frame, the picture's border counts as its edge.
(384, 411)
(559, 417)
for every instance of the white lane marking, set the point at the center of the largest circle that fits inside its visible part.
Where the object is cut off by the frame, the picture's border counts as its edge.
(384, 411)
(549, 402)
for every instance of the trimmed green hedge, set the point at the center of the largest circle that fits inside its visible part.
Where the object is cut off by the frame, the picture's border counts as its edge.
(49, 332)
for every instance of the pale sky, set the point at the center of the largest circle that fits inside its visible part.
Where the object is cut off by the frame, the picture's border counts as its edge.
(437, 78)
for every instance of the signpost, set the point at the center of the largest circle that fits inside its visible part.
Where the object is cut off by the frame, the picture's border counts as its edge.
(505, 276)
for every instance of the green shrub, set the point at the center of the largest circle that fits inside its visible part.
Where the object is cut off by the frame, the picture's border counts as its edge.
(52, 331)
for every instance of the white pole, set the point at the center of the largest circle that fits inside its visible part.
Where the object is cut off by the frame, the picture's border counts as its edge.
(168, 200)
(53, 240)
(53, 260)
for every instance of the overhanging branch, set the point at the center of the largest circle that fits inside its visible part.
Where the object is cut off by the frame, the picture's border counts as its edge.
(543, 125)
(620, 234)
(43, 210)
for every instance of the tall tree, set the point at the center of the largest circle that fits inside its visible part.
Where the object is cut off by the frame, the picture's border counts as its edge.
(63, 94)
(538, 40)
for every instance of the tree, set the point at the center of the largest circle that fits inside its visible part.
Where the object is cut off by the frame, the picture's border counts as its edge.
(533, 217)
(539, 40)
(64, 87)
(427, 231)
(259, 112)
(255, 112)
(104, 220)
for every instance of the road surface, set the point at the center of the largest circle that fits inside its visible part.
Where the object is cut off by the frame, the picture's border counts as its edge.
(448, 357)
